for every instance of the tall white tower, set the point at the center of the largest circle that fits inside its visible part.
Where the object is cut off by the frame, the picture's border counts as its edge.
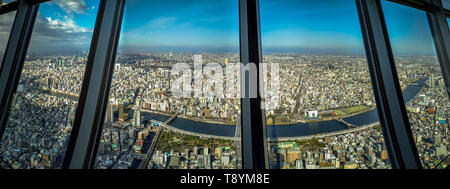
(137, 114)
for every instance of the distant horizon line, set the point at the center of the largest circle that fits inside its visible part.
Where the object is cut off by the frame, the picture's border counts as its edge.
(189, 50)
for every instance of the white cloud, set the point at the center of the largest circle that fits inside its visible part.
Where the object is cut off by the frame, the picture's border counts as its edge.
(162, 22)
(66, 25)
(52, 34)
(59, 35)
(72, 7)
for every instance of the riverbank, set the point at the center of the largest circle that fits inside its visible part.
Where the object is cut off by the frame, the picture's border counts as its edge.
(190, 118)
(322, 135)
(341, 116)
(367, 109)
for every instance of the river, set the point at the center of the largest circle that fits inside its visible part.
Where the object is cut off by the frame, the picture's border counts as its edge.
(290, 130)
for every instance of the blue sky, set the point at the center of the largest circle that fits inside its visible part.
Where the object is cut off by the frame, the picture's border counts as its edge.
(195, 24)
(332, 26)
(83, 14)
(308, 26)
(408, 29)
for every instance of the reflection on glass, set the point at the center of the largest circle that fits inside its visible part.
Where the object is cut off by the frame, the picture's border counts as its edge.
(147, 125)
(6, 22)
(324, 116)
(4, 2)
(446, 4)
(423, 86)
(448, 22)
(43, 107)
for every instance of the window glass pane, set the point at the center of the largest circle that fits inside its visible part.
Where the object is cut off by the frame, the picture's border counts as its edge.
(446, 4)
(43, 107)
(6, 22)
(195, 131)
(324, 115)
(420, 76)
(448, 22)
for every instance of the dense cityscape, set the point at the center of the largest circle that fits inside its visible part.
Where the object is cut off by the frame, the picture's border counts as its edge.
(428, 113)
(138, 132)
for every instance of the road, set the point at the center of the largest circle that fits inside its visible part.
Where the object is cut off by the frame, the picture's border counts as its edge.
(144, 163)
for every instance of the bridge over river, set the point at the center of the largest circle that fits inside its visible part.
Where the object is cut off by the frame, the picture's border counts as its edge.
(149, 153)
(284, 132)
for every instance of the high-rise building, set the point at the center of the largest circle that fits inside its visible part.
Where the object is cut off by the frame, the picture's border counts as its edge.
(109, 115)
(441, 150)
(219, 152)
(432, 81)
(292, 155)
(384, 155)
(195, 150)
(298, 164)
(137, 114)
(49, 83)
(131, 132)
(200, 161)
(205, 150)
(207, 161)
(206, 158)
(437, 139)
(122, 114)
(225, 160)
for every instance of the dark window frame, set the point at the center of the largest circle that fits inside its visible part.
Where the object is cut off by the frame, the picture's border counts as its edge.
(91, 110)
(14, 57)
(386, 86)
(253, 124)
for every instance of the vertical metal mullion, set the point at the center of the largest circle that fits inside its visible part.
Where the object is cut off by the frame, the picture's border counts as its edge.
(441, 37)
(254, 139)
(388, 95)
(91, 108)
(14, 57)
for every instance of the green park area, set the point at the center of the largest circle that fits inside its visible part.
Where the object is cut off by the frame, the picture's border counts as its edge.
(279, 120)
(305, 145)
(350, 110)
